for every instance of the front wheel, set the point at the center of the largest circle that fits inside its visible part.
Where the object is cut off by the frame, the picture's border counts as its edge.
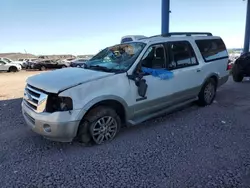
(100, 125)
(12, 69)
(207, 93)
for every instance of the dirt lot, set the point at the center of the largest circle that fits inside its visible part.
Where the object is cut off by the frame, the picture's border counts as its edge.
(195, 147)
(12, 84)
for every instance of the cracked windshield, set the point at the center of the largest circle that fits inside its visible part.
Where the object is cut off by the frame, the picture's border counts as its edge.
(119, 57)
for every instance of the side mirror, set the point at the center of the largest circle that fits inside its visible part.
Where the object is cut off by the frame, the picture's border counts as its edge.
(140, 83)
(142, 87)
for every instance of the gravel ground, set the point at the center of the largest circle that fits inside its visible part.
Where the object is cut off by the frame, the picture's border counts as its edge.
(194, 147)
(12, 84)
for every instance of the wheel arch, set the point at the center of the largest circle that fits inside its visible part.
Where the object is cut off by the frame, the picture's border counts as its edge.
(12, 67)
(114, 102)
(213, 76)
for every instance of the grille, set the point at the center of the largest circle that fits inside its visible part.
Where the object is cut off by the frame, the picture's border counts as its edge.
(35, 99)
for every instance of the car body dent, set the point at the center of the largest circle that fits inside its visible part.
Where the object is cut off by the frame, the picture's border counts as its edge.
(108, 88)
(62, 79)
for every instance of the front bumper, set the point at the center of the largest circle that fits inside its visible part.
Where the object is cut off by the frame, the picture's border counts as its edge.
(58, 126)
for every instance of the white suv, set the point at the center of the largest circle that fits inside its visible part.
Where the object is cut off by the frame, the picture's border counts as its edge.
(9, 67)
(124, 85)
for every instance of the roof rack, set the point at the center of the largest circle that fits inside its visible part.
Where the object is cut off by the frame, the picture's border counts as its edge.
(187, 34)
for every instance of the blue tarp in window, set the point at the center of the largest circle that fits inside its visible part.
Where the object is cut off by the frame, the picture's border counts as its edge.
(163, 74)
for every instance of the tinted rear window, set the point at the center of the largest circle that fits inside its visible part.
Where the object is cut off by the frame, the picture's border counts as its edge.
(212, 50)
(126, 40)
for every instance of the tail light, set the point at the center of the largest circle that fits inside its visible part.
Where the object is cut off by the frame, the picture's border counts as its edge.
(229, 65)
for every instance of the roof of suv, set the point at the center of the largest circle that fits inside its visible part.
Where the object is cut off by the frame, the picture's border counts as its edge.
(178, 36)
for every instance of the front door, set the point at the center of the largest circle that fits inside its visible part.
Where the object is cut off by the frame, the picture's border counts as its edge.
(159, 92)
(3, 66)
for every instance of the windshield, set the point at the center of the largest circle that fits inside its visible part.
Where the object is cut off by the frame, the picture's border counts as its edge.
(7, 60)
(116, 58)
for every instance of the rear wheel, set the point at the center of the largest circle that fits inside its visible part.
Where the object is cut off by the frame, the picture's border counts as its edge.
(237, 75)
(207, 93)
(12, 69)
(43, 68)
(100, 125)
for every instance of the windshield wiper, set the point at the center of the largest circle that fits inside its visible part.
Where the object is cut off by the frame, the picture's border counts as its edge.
(105, 69)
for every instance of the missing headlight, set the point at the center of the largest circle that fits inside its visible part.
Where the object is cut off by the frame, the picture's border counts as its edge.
(56, 103)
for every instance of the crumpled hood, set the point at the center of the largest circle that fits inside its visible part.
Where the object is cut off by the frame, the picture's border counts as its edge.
(59, 80)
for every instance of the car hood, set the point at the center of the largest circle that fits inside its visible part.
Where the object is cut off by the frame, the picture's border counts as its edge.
(62, 79)
(14, 64)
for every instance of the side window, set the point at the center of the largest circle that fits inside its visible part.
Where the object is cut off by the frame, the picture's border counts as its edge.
(2, 63)
(212, 50)
(155, 57)
(182, 55)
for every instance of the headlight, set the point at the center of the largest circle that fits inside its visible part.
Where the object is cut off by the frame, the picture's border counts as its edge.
(56, 103)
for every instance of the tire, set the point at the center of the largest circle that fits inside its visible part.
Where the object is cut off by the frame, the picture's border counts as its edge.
(94, 129)
(237, 76)
(12, 69)
(43, 68)
(207, 93)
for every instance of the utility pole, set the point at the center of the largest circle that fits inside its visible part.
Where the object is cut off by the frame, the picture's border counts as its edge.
(247, 29)
(165, 12)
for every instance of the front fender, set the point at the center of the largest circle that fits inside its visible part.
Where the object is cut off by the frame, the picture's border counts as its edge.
(96, 100)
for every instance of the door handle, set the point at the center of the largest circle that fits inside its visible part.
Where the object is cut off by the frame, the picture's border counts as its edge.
(198, 70)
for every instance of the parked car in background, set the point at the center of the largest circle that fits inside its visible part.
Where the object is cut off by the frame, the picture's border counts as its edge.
(78, 63)
(8, 60)
(47, 64)
(142, 80)
(68, 60)
(241, 67)
(27, 59)
(130, 38)
(9, 67)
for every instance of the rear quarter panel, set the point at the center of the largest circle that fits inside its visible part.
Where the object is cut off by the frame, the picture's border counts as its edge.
(216, 67)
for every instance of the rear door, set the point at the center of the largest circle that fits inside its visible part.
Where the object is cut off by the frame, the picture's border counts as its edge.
(186, 68)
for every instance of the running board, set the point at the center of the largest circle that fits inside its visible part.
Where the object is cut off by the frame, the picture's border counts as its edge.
(160, 112)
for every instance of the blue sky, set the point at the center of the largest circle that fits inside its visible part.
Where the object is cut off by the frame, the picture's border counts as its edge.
(87, 26)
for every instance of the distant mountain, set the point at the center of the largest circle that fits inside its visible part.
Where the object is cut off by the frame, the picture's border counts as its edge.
(16, 56)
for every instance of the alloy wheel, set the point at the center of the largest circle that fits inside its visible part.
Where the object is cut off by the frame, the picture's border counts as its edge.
(104, 129)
